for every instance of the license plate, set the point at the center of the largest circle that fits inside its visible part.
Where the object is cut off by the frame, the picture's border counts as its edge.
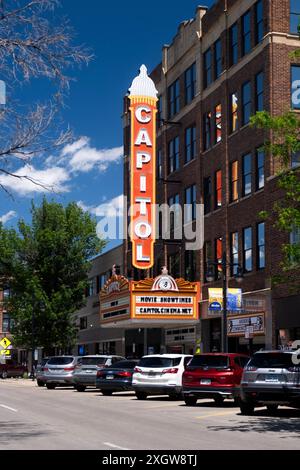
(109, 377)
(272, 378)
(56, 371)
(89, 371)
(205, 382)
(152, 374)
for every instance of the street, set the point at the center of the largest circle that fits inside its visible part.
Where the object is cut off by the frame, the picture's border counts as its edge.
(63, 419)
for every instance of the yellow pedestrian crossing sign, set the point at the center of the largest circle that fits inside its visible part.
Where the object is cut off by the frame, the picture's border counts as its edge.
(5, 342)
(5, 352)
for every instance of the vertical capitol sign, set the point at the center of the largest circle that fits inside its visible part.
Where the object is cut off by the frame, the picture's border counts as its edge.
(143, 109)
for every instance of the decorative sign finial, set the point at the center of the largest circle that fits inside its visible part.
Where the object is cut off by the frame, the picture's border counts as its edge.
(164, 270)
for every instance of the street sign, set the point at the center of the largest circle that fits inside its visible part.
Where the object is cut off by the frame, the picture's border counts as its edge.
(5, 352)
(5, 342)
(249, 332)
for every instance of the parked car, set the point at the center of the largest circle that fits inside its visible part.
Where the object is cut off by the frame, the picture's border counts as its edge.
(87, 367)
(214, 375)
(39, 371)
(59, 370)
(12, 369)
(116, 378)
(159, 374)
(271, 378)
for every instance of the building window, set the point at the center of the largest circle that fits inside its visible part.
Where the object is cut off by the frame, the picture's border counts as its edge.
(259, 22)
(207, 256)
(6, 322)
(246, 33)
(174, 98)
(234, 251)
(247, 174)
(295, 242)
(218, 256)
(190, 265)
(190, 144)
(218, 189)
(246, 103)
(294, 16)
(295, 160)
(234, 122)
(173, 155)
(207, 194)
(207, 72)
(83, 323)
(174, 265)
(295, 86)
(218, 123)
(233, 38)
(218, 58)
(261, 246)
(260, 169)
(190, 204)
(190, 83)
(247, 249)
(174, 213)
(259, 92)
(234, 179)
(159, 164)
(207, 131)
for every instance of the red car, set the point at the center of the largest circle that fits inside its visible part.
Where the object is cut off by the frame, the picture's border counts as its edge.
(11, 369)
(214, 375)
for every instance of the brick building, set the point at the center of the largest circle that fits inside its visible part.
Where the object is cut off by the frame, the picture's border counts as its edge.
(222, 66)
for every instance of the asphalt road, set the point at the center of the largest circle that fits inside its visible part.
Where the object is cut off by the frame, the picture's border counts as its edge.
(37, 418)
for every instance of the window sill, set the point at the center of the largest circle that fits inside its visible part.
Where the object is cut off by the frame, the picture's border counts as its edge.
(191, 161)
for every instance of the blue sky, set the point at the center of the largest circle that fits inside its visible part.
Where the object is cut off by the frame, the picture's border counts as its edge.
(122, 36)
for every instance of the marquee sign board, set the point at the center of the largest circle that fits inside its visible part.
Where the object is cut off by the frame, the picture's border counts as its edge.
(143, 109)
(238, 325)
(162, 298)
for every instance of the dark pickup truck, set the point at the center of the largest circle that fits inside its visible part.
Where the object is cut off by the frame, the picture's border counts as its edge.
(11, 369)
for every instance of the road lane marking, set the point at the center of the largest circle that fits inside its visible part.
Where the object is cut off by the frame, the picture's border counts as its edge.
(223, 413)
(114, 446)
(9, 408)
(167, 405)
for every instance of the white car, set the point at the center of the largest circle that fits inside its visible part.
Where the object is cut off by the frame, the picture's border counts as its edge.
(159, 374)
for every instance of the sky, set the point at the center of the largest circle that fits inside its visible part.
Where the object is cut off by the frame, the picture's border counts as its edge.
(122, 36)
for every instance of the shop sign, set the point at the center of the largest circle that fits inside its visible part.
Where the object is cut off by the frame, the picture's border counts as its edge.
(234, 300)
(237, 326)
(143, 109)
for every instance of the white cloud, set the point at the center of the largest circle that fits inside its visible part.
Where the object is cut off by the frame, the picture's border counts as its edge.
(81, 157)
(7, 217)
(51, 179)
(112, 208)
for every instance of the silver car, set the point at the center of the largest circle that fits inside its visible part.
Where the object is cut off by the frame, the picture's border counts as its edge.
(59, 371)
(86, 369)
(271, 378)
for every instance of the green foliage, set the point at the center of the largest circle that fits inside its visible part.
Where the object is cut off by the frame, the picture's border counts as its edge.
(47, 264)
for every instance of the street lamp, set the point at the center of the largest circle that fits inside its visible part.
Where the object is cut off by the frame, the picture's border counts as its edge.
(210, 277)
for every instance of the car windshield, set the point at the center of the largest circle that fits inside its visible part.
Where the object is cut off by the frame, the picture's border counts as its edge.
(157, 362)
(276, 360)
(92, 361)
(125, 365)
(216, 362)
(44, 361)
(60, 361)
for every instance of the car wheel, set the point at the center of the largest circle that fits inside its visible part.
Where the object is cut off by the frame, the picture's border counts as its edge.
(190, 401)
(4, 375)
(50, 386)
(272, 408)
(247, 409)
(80, 388)
(141, 395)
(40, 383)
(219, 401)
(106, 393)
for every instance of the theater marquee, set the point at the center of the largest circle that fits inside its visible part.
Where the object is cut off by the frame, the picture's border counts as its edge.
(143, 101)
(162, 298)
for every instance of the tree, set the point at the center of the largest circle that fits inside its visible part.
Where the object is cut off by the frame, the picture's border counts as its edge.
(33, 45)
(46, 265)
(285, 143)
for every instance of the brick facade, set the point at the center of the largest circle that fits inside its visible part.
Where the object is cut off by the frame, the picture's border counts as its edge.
(270, 56)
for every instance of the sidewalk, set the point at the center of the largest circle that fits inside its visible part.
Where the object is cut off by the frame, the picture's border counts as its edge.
(17, 381)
